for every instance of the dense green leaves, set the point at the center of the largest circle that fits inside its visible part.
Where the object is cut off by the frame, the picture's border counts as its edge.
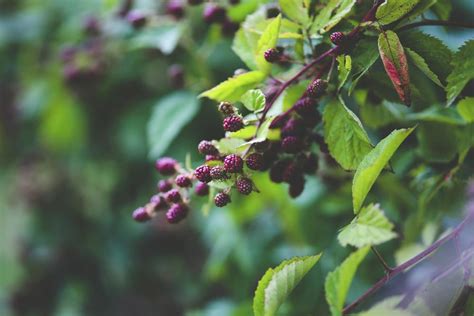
(463, 71)
(466, 109)
(243, 47)
(178, 108)
(346, 138)
(364, 55)
(253, 100)
(395, 63)
(331, 14)
(163, 37)
(276, 284)
(371, 166)
(369, 228)
(268, 40)
(233, 88)
(295, 10)
(339, 281)
(393, 10)
(423, 66)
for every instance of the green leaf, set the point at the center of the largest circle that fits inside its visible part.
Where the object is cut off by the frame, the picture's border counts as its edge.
(369, 228)
(466, 109)
(163, 37)
(331, 14)
(436, 54)
(339, 281)
(420, 8)
(421, 64)
(244, 133)
(263, 132)
(253, 100)
(233, 88)
(344, 66)
(393, 10)
(244, 49)
(463, 71)
(395, 64)
(230, 145)
(365, 54)
(169, 116)
(268, 40)
(276, 284)
(295, 10)
(372, 164)
(443, 8)
(346, 138)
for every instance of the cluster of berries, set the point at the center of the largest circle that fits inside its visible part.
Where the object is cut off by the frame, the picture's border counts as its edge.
(83, 62)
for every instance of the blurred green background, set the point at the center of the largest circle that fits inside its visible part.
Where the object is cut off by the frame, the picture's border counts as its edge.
(79, 87)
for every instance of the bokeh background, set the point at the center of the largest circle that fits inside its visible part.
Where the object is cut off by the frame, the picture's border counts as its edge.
(80, 89)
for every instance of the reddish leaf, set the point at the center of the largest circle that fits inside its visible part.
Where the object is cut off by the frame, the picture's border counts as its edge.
(395, 63)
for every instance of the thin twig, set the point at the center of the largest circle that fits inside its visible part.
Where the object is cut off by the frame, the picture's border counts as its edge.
(436, 23)
(382, 261)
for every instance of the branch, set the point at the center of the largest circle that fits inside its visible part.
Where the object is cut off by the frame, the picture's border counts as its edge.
(413, 261)
(436, 23)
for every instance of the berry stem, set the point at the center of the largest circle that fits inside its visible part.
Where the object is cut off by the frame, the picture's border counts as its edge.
(436, 23)
(382, 261)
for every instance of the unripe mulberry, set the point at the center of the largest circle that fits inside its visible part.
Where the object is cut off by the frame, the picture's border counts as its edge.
(233, 123)
(164, 186)
(272, 55)
(218, 173)
(141, 215)
(291, 172)
(293, 127)
(176, 213)
(233, 163)
(175, 8)
(206, 147)
(337, 38)
(304, 106)
(173, 196)
(226, 108)
(244, 185)
(254, 161)
(317, 88)
(221, 199)
(166, 166)
(183, 181)
(203, 173)
(291, 144)
(158, 202)
(202, 189)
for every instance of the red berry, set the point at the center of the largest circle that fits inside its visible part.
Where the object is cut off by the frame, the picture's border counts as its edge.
(296, 187)
(203, 173)
(291, 172)
(175, 8)
(141, 215)
(221, 199)
(233, 123)
(317, 88)
(291, 144)
(164, 186)
(254, 161)
(205, 147)
(226, 108)
(218, 173)
(183, 181)
(233, 163)
(303, 106)
(293, 127)
(244, 185)
(166, 166)
(202, 189)
(337, 38)
(214, 13)
(176, 213)
(272, 55)
(158, 202)
(173, 196)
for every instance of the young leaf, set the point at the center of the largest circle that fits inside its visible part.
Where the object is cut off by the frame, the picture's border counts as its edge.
(253, 100)
(178, 108)
(463, 72)
(346, 138)
(395, 63)
(295, 10)
(466, 109)
(276, 284)
(393, 10)
(369, 228)
(372, 164)
(338, 282)
(268, 40)
(344, 66)
(331, 14)
(421, 64)
(233, 88)
(244, 49)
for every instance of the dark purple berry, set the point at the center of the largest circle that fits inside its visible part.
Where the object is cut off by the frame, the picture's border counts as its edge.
(234, 2)
(229, 27)
(244, 185)
(311, 118)
(166, 166)
(233, 163)
(202, 189)
(124, 7)
(175, 8)
(164, 186)
(291, 172)
(136, 18)
(91, 26)
(214, 13)
(272, 55)
(323, 147)
(183, 181)
(176, 213)
(221, 199)
(317, 88)
(203, 173)
(233, 123)
(262, 146)
(254, 161)
(293, 127)
(272, 12)
(277, 170)
(158, 202)
(194, 2)
(141, 215)
(304, 106)
(296, 187)
(206, 147)
(176, 76)
(218, 173)
(291, 144)
(337, 38)
(310, 163)
(173, 196)
(226, 108)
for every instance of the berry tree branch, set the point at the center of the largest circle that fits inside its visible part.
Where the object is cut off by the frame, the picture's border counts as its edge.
(436, 23)
(411, 262)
